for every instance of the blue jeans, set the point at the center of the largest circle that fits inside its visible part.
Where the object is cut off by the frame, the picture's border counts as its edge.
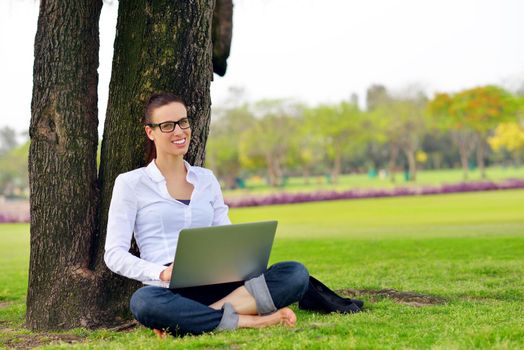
(185, 310)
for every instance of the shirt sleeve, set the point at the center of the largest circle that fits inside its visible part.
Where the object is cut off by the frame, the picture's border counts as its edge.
(120, 226)
(220, 215)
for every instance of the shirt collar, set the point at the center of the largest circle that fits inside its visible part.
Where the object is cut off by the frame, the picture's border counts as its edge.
(155, 174)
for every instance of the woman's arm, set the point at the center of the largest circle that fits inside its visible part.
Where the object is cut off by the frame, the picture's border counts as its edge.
(220, 215)
(120, 226)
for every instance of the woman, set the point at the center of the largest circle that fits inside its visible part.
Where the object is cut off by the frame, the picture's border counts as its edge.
(156, 202)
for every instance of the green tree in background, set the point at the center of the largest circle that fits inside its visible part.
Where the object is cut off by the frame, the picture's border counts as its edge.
(341, 127)
(473, 113)
(400, 124)
(483, 109)
(267, 143)
(440, 147)
(413, 125)
(223, 147)
(463, 137)
(14, 175)
(307, 151)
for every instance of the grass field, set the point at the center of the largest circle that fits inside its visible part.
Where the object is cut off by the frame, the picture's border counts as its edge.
(257, 186)
(465, 248)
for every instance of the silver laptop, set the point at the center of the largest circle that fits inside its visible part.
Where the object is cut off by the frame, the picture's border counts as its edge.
(221, 254)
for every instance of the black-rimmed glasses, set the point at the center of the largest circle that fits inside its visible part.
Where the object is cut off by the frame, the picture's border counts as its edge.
(169, 126)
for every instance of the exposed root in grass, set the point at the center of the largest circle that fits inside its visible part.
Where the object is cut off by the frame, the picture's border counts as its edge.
(4, 304)
(125, 327)
(408, 298)
(30, 341)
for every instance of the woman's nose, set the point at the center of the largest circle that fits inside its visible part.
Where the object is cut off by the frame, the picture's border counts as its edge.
(178, 129)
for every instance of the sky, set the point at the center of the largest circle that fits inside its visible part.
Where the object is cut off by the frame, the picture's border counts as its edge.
(313, 51)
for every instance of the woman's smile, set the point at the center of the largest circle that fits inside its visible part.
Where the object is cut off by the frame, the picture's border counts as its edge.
(180, 142)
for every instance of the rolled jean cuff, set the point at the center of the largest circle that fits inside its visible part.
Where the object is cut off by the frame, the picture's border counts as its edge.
(229, 319)
(257, 287)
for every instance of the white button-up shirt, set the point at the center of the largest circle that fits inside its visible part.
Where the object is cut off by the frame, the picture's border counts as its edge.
(142, 204)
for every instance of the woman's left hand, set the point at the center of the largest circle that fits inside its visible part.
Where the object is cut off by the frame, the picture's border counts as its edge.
(166, 274)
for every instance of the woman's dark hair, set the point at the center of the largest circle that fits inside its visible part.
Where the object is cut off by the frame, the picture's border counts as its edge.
(155, 101)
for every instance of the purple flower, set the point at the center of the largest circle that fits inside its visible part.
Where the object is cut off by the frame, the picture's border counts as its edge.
(286, 198)
(13, 218)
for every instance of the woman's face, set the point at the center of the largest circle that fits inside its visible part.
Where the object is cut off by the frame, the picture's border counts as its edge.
(175, 142)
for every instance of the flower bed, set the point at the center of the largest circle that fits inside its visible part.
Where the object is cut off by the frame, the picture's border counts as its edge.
(14, 211)
(13, 218)
(287, 198)
(21, 214)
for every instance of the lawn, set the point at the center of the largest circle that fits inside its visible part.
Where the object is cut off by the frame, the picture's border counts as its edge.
(258, 186)
(466, 249)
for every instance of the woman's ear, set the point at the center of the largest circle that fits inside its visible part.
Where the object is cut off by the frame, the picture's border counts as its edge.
(149, 132)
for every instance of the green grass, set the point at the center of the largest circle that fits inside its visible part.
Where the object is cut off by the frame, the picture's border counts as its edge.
(351, 181)
(466, 248)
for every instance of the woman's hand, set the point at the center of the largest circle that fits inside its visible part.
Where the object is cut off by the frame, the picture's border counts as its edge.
(166, 274)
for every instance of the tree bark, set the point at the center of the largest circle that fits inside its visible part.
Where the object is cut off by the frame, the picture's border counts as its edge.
(273, 170)
(462, 139)
(337, 165)
(412, 163)
(393, 154)
(222, 33)
(62, 165)
(160, 46)
(464, 160)
(480, 155)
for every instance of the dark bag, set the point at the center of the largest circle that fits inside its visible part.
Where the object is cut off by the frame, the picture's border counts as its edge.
(320, 298)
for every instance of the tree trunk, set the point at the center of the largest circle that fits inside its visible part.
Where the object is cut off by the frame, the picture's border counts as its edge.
(463, 158)
(412, 164)
(272, 170)
(62, 165)
(222, 33)
(337, 165)
(160, 46)
(305, 174)
(480, 156)
(278, 171)
(392, 161)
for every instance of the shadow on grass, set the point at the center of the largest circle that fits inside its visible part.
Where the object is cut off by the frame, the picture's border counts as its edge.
(20, 338)
(407, 298)
(30, 341)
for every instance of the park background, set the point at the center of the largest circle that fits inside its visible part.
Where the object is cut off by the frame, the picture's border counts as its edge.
(362, 101)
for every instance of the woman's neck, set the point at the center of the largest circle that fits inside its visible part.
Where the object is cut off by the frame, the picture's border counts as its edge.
(171, 167)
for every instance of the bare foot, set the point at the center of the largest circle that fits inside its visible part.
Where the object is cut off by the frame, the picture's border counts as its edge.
(288, 317)
(159, 333)
(284, 316)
